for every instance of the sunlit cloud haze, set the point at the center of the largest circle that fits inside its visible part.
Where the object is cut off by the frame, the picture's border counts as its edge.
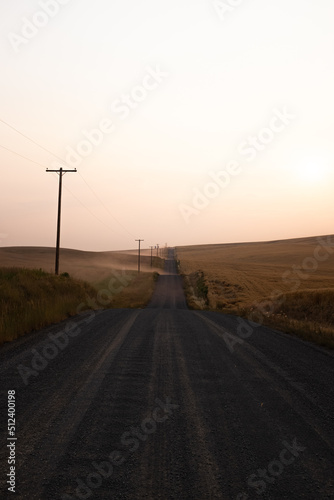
(181, 91)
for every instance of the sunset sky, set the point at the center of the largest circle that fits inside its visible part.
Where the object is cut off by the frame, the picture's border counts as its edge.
(189, 121)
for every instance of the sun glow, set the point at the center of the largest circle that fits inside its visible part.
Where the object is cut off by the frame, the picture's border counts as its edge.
(312, 170)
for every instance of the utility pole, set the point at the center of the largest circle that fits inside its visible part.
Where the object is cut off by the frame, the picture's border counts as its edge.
(157, 249)
(151, 256)
(60, 172)
(139, 255)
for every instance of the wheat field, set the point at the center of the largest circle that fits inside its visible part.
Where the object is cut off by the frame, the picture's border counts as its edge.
(286, 283)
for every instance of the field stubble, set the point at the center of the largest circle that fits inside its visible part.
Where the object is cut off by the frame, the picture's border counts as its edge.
(286, 284)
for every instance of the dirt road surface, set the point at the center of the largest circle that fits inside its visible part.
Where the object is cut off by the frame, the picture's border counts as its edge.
(167, 403)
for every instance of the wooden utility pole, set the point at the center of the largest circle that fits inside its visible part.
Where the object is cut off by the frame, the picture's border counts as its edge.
(60, 172)
(151, 256)
(139, 255)
(157, 249)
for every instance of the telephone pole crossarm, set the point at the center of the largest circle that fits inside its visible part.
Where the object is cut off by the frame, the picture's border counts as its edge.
(61, 170)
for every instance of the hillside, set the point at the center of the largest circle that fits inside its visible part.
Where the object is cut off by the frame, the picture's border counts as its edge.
(90, 266)
(286, 283)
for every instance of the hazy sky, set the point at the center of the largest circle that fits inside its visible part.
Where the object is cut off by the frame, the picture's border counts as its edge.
(189, 121)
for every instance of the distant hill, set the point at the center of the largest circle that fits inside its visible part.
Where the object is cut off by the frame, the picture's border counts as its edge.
(90, 266)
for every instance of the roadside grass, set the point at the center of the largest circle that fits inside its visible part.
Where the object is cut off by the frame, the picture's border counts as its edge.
(309, 314)
(241, 278)
(158, 262)
(133, 290)
(31, 299)
(139, 292)
(196, 290)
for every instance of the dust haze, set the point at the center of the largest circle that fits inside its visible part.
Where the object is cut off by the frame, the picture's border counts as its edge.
(89, 266)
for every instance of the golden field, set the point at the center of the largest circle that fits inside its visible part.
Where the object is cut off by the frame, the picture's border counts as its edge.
(288, 284)
(32, 297)
(89, 266)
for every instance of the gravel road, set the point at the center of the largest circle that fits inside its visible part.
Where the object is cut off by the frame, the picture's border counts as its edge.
(167, 403)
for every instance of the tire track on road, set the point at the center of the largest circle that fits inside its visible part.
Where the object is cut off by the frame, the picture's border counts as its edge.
(56, 441)
(253, 357)
(290, 394)
(158, 476)
(208, 472)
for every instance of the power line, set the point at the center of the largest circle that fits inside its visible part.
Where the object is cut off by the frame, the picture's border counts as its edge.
(59, 158)
(67, 189)
(25, 157)
(98, 198)
(31, 140)
(92, 213)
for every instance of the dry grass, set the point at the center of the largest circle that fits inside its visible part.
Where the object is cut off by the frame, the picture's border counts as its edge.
(248, 278)
(138, 294)
(131, 290)
(306, 313)
(32, 299)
